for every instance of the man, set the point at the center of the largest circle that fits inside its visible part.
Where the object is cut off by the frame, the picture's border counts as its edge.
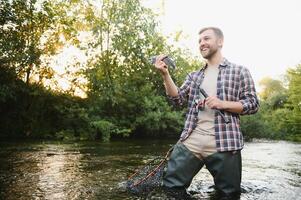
(208, 138)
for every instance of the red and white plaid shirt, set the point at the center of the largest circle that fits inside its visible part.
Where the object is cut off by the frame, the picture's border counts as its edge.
(234, 83)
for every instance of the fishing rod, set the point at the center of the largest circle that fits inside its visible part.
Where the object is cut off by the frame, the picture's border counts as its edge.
(169, 62)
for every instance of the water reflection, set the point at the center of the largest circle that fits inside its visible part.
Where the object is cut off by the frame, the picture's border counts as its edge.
(59, 174)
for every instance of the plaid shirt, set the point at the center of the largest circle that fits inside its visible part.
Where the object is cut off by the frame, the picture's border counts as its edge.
(234, 83)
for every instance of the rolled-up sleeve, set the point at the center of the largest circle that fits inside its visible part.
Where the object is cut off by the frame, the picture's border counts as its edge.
(248, 97)
(183, 92)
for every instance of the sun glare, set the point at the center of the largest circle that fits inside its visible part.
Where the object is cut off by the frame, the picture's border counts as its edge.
(66, 67)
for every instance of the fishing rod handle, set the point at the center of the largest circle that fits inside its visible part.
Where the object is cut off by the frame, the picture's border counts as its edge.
(219, 112)
(204, 93)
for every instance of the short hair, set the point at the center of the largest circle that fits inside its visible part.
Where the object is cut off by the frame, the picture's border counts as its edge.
(218, 32)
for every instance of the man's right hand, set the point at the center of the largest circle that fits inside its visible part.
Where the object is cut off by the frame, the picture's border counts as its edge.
(171, 88)
(160, 65)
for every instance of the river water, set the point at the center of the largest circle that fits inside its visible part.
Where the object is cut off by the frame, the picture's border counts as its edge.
(93, 170)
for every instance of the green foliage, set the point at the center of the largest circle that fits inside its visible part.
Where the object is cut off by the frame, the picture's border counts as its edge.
(65, 135)
(294, 102)
(126, 97)
(254, 126)
(104, 128)
(8, 84)
(31, 31)
(33, 111)
(270, 88)
(280, 115)
(157, 118)
(123, 84)
(21, 29)
(267, 123)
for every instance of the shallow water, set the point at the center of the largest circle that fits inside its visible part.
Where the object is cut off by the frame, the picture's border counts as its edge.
(93, 170)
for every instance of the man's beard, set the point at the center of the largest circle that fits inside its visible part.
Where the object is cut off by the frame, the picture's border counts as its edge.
(210, 54)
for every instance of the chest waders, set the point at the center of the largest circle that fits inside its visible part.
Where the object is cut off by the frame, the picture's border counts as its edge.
(182, 166)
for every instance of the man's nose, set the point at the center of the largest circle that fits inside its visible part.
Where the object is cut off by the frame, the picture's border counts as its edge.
(202, 43)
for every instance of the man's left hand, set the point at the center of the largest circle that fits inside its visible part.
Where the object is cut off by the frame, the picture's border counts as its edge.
(214, 103)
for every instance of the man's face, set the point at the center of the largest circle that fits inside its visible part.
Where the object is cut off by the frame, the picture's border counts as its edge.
(209, 43)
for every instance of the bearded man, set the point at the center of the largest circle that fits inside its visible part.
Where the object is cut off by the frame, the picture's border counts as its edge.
(208, 138)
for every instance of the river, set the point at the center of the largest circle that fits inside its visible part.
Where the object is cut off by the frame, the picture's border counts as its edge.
(93, 170)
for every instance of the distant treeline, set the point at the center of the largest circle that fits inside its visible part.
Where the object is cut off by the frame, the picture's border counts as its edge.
(125, 96)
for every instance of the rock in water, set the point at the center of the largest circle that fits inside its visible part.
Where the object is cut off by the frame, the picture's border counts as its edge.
(122, 186)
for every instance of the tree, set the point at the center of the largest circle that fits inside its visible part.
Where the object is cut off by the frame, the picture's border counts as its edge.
(271, 87)
(294, 102)
(31, 31)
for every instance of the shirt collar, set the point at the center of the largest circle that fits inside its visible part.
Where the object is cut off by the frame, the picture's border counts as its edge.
(224, 63)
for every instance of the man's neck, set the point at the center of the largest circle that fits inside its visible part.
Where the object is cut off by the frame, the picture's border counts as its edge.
(215, 60)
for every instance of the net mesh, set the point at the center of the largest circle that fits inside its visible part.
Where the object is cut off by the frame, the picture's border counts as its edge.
(149, 177)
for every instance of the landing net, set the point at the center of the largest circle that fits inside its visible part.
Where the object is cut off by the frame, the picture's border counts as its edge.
(149, 177)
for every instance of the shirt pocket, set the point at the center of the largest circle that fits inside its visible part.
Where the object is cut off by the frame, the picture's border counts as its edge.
(231, 88)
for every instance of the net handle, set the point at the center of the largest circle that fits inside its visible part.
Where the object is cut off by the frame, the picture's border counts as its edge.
(138, 170)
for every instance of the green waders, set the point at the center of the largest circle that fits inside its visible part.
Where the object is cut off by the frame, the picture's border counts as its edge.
(225, 167)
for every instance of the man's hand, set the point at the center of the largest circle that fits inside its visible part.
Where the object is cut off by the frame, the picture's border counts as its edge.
(160, 65)
(230, 106)
(214, 103)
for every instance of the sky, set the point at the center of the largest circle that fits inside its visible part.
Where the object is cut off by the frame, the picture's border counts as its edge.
(263, 35)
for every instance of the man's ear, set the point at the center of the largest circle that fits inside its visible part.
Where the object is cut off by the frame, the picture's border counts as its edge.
(220, 42)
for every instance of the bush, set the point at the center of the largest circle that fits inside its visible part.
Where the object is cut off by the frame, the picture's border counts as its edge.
(158, 118)
(254, 126)
(103, 129)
